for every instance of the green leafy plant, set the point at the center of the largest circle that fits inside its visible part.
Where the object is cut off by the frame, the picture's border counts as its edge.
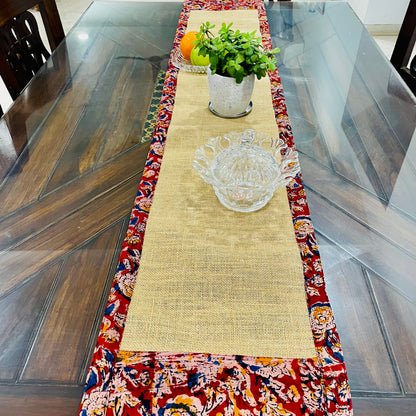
(233, 53)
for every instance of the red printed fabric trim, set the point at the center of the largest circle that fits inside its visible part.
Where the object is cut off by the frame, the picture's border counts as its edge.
(160, 383)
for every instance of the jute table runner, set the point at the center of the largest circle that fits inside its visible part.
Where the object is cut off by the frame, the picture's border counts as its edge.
(210, 279)
(219, 282)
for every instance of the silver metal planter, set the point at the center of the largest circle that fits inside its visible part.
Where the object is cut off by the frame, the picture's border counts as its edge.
(227, 98)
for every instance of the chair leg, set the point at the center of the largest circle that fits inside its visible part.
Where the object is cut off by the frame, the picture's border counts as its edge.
(404, 47)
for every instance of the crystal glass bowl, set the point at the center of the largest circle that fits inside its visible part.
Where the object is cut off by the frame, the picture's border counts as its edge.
(181, 63)
(245, 168)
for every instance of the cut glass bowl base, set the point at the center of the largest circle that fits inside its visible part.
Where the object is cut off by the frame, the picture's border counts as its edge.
(246, 168)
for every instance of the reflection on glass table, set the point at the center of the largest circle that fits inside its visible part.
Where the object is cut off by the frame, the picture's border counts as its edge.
(353, 120)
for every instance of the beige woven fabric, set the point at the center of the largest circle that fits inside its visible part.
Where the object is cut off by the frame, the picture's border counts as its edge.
(210, 279)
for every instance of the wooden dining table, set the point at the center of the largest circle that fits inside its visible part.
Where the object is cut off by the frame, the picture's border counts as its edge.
(72, 150)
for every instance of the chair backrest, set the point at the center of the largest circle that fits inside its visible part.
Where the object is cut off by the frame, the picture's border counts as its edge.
(403, 48)
(22, 51)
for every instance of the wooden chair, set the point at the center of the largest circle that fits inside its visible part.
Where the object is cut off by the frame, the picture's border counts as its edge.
(404, 47)
(22, 51)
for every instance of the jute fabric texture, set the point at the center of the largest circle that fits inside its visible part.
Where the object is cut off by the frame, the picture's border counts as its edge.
(210, 279)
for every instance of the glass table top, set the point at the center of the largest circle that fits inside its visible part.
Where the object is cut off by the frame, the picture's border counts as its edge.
(72, 154)
(353, 121)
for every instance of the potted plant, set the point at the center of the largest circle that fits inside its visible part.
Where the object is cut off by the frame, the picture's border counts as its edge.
(236, 58)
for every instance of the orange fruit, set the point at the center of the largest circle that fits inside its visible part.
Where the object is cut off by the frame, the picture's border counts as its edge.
(186, 44)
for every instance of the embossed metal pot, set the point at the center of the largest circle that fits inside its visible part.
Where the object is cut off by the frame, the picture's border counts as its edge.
(227, 98)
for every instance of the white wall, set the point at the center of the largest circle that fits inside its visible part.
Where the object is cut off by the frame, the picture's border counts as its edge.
(359, 7)
(380, 12)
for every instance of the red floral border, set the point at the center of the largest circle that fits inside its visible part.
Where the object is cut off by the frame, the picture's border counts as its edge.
(152, 383)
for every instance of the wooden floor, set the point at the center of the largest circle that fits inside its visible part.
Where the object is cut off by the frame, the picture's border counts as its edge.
(67, 193)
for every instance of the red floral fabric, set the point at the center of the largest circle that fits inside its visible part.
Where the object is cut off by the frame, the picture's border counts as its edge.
(162, 383)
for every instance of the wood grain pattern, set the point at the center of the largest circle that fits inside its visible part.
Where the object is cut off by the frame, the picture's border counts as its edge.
(75, 159)
(384, 406)
(64, 236)
(64, 201)
(21, 311)
(49, 142)
(384, 220)
(29, 400)
(371, 249)
(368, 368)
(353, 123)
(50, 358)
(398, 315)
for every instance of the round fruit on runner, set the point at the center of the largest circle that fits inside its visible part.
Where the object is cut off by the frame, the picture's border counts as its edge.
(186, 45)
(197, 59)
